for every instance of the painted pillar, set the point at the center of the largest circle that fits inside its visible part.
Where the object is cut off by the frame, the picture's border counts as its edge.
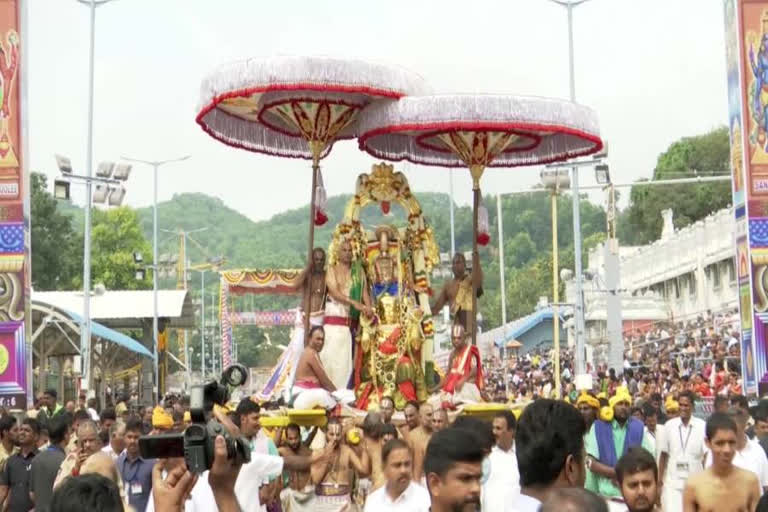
(15, 354)
(746, 28)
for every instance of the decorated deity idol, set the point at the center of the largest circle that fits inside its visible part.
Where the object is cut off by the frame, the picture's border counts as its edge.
(393, 337)
(390, 354)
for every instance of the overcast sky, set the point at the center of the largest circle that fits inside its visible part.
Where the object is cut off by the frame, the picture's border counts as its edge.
(654, 70)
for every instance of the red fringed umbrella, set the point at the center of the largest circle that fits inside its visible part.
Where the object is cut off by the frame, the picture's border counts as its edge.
(296, 107)
(479, 131)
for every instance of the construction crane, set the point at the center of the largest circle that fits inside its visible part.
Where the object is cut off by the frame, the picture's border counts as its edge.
(182, 268)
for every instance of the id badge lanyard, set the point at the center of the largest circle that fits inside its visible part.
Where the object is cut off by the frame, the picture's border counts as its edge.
(684, 445)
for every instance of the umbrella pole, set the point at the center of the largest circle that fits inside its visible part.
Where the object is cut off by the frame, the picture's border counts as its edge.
(477, 172)
(310, 249)
(475, 262)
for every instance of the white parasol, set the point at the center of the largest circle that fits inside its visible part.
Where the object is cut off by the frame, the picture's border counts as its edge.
(296, 107)
(479, 131)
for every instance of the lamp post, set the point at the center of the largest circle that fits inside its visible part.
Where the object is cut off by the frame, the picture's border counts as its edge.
(503, 292)
(155, 164)
(601, 172)
(579, 309)
(554, 181)
(501, 263)
(85, 336)
(110, 191)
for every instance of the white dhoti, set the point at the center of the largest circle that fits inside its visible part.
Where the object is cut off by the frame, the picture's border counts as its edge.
(297, 501)
(469, 394)
(309, 397)
(336, 355)
(300, 501)
(283, 374)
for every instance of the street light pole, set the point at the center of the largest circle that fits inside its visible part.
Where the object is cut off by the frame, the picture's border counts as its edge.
(555, 294)
(155, 165)
(85, 336)
(578, 278)
(501, 261)
(85, 342)
(555, 181)
(503, 291)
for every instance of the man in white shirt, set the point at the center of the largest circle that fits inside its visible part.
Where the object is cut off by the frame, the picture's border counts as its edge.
(116, 440)
(652, 428)
(680, 450)
(749, 454)
(249, 413)
(548, 430)
(400, 493)
(503, 484)
(247, 484)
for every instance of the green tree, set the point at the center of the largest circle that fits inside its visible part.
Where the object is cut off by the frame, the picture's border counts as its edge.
(702, 155)
(525, 286)
(57, 250)
(520, 250)
(115, 236)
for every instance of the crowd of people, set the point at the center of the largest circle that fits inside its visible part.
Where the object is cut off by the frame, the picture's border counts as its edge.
(629, 456)
(701, 355)
(622, 446)
(630, 443)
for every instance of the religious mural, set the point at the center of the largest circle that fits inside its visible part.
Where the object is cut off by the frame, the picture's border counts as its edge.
(15, 372)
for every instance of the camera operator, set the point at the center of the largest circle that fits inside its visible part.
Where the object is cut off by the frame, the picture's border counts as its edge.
(237, 485)
(248, 413)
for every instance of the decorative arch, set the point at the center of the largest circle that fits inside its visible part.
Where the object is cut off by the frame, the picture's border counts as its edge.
(384, 186)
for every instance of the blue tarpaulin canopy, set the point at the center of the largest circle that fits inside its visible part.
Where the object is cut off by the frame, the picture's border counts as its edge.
(114, 336)
(522, 325)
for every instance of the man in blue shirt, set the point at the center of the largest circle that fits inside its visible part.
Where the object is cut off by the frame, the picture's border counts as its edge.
(135, 470)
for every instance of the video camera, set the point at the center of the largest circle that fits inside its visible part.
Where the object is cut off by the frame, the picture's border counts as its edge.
(196, 443)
